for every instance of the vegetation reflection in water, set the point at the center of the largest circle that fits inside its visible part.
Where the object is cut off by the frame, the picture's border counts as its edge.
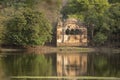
(105, 65)
(27, 65)
(36, 65)
(2, 75)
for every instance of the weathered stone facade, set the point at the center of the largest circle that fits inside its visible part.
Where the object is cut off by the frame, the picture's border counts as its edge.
(71, 32)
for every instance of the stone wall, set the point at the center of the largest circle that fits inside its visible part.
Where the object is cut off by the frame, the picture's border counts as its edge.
(71, 33)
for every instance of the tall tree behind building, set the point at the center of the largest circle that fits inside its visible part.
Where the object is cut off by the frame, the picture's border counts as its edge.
(114, 1)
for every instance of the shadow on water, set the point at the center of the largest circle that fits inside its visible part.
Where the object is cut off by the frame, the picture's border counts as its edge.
(78, 66)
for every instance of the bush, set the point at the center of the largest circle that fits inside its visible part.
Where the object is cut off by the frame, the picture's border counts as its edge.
(100, 38)
(28, 28)
(2, 30)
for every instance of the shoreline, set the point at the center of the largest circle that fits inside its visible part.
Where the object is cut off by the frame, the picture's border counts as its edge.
(50, 49)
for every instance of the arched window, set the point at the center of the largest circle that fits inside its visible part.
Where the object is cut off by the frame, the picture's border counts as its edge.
(72, 32)
(67, 32)
(78, 31)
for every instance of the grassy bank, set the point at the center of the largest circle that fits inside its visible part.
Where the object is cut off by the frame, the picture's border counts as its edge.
(64, 77)
(49, 49)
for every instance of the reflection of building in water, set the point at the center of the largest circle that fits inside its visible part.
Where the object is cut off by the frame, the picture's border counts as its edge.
(71, 32)
(71, 64)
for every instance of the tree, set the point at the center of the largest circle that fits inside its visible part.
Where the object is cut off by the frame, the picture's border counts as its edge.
(114, 14)
(28, 28)
(92, 13)
(79, 8)
(97, 21)
(106, 24)
(97, 24)
(2, 30)
(114, 22)
(100, 38)
(75, 8)
(49, 7)
(114, 1)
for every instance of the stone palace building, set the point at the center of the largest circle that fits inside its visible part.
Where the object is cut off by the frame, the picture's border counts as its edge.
(71, 32)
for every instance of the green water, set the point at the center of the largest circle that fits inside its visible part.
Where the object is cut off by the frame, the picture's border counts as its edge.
(65, 66)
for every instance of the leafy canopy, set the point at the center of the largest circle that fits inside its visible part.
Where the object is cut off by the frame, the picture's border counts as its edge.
(114, 14)
(28, 28)
(79, 8)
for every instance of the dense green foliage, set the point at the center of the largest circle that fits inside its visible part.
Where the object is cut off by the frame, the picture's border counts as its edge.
(28, 28)
(100, 38)
(26, 3)
(1, 28)
(114, 1)
(41, 28)
(114, 14)
(79, 8)
(101, 17)
(49, 7)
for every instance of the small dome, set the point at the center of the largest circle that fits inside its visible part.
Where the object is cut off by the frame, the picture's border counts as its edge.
(71, 20)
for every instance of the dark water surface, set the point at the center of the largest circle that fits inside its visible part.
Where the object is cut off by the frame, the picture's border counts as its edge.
(19, 66)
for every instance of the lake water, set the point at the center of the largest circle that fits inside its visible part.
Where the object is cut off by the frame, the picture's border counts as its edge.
(60, 66)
